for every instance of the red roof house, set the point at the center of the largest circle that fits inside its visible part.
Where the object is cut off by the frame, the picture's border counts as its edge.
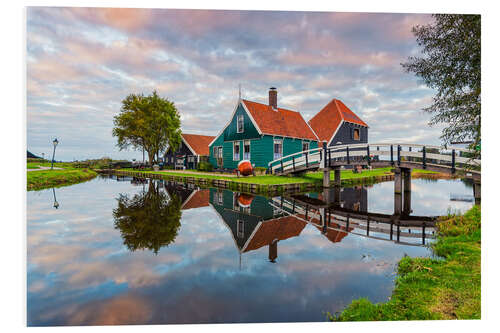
(337, 124)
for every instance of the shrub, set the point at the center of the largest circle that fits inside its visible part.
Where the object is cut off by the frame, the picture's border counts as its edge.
(260, 170)
(205, 166)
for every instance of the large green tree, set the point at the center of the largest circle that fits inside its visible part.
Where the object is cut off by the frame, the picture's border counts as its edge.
(149, 122)
(451, 64)
(148, 220)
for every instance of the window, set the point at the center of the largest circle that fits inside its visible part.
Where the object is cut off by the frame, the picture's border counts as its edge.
(240, 229)
(240, 124)
(305, 146)
(219, 150)
(246, 150)
(355, 134)
(236, 151)
(278, 149)
(219, 198)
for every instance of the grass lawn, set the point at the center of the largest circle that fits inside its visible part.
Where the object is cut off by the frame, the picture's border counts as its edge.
(37, 180)
(446, 288)
(311, 177)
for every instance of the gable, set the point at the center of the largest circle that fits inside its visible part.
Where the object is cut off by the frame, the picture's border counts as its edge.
(250, 131)
(329, 119)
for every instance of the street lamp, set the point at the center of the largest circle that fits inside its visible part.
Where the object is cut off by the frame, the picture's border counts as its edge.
(56, 204)
(55, 142)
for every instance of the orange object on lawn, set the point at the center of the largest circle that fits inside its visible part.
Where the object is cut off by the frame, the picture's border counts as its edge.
(245, 168)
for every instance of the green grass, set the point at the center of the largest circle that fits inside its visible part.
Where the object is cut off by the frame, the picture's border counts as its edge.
(36, 165)
(446, 288)
(37, 180)
(311, 177)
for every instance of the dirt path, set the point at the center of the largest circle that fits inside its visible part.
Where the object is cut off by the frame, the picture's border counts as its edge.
(43, 168)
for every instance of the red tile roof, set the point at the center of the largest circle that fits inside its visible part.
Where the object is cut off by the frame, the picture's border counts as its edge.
(279, 228)
(281, 122)
(200, 198)
(326, 121)
(199, 143)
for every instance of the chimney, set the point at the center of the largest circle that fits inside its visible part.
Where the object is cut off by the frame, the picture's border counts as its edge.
(273, 98)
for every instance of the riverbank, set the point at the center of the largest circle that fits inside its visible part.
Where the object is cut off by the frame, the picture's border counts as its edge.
(426, 288)
(40, 179)
(267, 184)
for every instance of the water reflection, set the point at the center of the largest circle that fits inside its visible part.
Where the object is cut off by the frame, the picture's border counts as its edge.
(230, 257)
(149, 219)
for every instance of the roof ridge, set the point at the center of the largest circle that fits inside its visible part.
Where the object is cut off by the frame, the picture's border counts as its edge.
(279, 108)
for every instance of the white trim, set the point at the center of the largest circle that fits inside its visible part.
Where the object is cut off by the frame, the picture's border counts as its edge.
(335, 133)
(240, 101)
(188, 198)
(229, 122)
(250, 116)
(239, 150)
(238, 124)
(243, 249)
(189, 147)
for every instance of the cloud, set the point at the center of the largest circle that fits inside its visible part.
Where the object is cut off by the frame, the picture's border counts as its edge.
(81, 62)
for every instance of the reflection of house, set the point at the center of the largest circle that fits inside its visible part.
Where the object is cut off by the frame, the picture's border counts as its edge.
(255, 225)
(192, 149)
(190, 195)
(199, 198)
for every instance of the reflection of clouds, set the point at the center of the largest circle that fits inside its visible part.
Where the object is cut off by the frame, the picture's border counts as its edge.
(82, 270)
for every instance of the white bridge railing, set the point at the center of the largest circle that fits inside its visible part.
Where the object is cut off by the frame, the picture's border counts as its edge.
(391, 153)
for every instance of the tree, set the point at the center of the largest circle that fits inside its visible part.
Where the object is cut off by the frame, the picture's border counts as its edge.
(148, 220)
(149, 122)
(452, 65)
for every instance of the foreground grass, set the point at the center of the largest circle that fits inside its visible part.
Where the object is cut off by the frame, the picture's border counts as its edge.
(447, 288)
(37, 180)
(310, 177)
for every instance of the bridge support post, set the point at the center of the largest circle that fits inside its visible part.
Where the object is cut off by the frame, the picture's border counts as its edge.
(326, 177)
(337, 181)
(407, 191)
(398, 196)
(477, 193)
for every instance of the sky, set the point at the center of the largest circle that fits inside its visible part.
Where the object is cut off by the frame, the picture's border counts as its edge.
(82, 62)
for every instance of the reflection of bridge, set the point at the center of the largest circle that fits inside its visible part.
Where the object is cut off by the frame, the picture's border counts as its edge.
(331, 216)
(403, 157)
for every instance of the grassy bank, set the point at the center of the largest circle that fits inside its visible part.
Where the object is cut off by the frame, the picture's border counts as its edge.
(347, 176)
(446, 288)
(37, 180)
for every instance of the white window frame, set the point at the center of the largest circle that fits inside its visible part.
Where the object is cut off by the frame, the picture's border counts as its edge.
(219, 197)
(240, 119)
(240, 228)
(308, 145)
(219, 152)
(245, 144)
(280, 142)
(236, 144)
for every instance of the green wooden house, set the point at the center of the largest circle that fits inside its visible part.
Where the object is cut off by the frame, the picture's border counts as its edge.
(260, 133)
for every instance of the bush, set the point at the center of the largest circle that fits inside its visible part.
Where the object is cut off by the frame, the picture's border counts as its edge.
(260, 170)
(205, 166)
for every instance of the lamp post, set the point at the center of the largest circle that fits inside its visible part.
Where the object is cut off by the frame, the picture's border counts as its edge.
(55, 142)
(56, 204)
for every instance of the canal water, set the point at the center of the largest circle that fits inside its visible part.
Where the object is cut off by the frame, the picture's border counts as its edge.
(128, 251)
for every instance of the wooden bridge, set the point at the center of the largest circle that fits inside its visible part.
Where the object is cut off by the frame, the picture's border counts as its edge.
(434, 158)
(402, 156)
